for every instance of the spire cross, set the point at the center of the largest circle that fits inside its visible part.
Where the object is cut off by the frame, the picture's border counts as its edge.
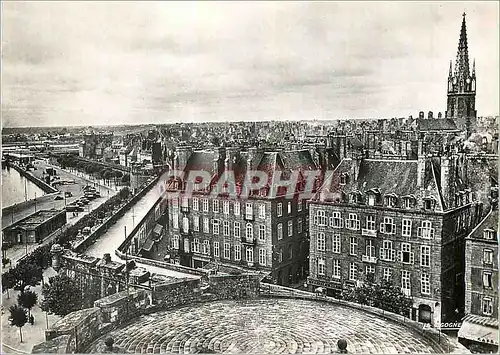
(463, 14)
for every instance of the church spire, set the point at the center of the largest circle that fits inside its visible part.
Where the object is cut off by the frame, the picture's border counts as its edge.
(450, 74)
(462, 62)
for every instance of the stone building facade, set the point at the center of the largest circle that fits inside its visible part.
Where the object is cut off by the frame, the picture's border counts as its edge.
(400, 220)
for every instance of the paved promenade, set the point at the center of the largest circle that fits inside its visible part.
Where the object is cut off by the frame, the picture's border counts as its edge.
(266, 326)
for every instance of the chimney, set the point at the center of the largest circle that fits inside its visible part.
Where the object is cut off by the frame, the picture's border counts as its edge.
(219, 157)
(447, 177)
(421, 115)
(182, 153)
(430, 115)
(107, 258)
(440, 115)
(231, 158)
(254, 155)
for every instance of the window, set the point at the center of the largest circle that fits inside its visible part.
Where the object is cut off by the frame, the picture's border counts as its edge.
(406, 254)
(185, 224)
(408, 202)
(425, 255)
(299, 225)
(262, 257)
(370, 248)
(429, 204)
(425, 230)
(390, 201)
(225, 228)
(175, 242)
(353, 245)
(387, 252)
(280, 231)
(290, 251)
(425, 284)
(225, 207)
(371, 200)
(237, 252)
(336, 220)
(320, 218)
(370, 223)
(336, 269)
(215, 226)
(236, 229)
(352, 222)
(388, 226)
(262, 211)
(249, 254)
(289, 207)
(196, 205)
(280, 255)
(370, 269)
(487, 306)
(205, 205)
(336, 243)
(321, 266)
(175, 221)
(249, 210)
(196, 245)
(206, 227)
(387, 274)
(489, 234)
(249, 231)
(262, 232)
(216, 249)
(299, 205)
(343, 178)
(186, 245)
(406, 228)
(488, 256)
(175, 203)
(290, 228)
(227, 251)
(236, 207)
(206, 247)
(321, 242)
(353, 271)
(185, 202)
(196, 223)
(487, 282)
(215, 206)
(405, 282)
(279, 209)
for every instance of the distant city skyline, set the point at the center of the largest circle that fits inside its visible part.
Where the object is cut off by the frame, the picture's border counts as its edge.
(114, 63)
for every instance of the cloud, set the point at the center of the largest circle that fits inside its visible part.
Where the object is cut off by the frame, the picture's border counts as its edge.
(128, 62)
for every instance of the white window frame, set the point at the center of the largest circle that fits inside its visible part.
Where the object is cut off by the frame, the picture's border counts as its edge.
(352, 222)
(406, 227)
(387, 252)
(225, 206)
(425, 283)
(196, 245)
(185, 224)
(262, 211)
(175, 220)
(425, 230)
(216, 249)
(175, 242)
(249, 231)
(336, 243)
(321, 266)
(279, 231)
(321, 242)
(290, 228)
(320, 218)
(206, 225)
(487, 305)
(289, 207)
(353, 271)
(336, 220)
(237, 252)
(262, 232)
(279, 209)
(205, 247)
(215, 226)
(406, 248)
(353, 246)
(262, 257)
(387, 274)
(227, 251)
(196, 204)
(371, 222)
(369, 269)
(384, 226)
(370, 248)
(299, 225)
(196, 223)
(205, 206)
(425, 255)
(487, 279)
(488, 256)
(299, 205)
(336, 269)
(225, 228)
(237, 229)
(249, 254)
(406, 282)
(249, 210)
(236, 208)
(215, 205)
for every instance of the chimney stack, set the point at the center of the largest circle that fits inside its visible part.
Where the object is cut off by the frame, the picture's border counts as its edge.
(421, 115)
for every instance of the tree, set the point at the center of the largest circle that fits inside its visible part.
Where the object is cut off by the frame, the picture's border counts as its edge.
(27, 274)
(18, 318)
(28, 300)
(125, 179)
(62, 296)
(8, 281)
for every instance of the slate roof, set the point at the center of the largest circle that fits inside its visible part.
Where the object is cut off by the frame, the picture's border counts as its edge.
(442, 124)
(488, 222)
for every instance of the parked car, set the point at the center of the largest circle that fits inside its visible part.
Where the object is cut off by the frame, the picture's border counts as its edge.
(90, 196)
(80, 203)
(74, 208)
(68, 194)
(84, 200)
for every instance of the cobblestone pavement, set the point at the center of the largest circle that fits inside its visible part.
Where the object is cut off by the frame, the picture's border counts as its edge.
(265, 326)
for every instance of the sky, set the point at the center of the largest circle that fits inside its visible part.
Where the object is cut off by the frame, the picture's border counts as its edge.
(103, 63)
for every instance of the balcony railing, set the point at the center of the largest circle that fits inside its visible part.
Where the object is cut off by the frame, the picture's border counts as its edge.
(250, 241)
(369, 232)
(369, 259)
(249, 217)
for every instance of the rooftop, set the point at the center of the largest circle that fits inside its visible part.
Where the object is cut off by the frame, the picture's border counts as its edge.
(35, 219)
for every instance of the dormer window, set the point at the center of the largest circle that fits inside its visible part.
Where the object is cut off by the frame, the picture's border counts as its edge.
(390, 200)
(355, 197)
(373, 196)
(343, 178)
(489, 234)
(408, 201)
(429, 204)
